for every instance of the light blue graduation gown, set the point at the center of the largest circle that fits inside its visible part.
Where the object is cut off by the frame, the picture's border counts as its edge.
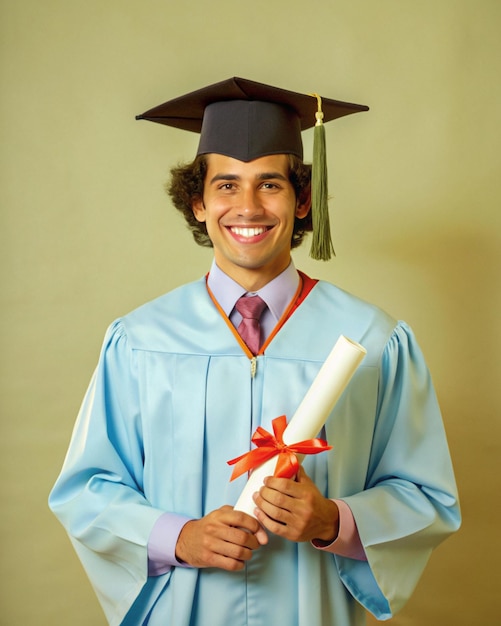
(173, 399)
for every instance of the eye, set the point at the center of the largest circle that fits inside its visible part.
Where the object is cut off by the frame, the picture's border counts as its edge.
(269, 186)
(226, 187)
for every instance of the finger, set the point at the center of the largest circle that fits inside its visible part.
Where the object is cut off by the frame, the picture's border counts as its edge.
(251, 525)
(249, 531)
(287, 486)
(272, 525)
(302, 476)
(224, 553)
(273, 504)
(275, 497)
(234, 551)
(222, 561)
(242, 520)
(256, 538)
(216, 534)
(240, 537)
(261, 536)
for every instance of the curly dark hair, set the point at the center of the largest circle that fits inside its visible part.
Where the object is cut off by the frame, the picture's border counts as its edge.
(186, 184)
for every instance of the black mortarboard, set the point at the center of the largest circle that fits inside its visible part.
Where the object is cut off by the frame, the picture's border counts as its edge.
(245, 120)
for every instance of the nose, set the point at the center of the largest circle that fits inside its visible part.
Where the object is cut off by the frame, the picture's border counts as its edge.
(249, 204)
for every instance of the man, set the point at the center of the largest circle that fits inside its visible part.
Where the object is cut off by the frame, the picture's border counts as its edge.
(145, 492)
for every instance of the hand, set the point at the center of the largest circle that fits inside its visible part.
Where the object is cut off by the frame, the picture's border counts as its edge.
(296, 510)
(224, 538)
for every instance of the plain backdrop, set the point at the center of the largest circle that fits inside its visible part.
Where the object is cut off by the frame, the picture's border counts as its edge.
(87, 232)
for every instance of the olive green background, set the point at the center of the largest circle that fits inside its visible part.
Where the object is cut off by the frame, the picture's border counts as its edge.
(87, 232)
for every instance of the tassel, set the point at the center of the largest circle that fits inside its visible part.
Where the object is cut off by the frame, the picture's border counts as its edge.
(321, 246)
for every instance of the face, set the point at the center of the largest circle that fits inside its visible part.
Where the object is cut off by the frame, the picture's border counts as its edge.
(249, 210)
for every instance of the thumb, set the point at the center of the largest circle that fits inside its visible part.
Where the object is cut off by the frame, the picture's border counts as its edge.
(302, 476)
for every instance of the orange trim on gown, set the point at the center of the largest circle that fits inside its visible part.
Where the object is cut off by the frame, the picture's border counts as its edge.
(306, 284)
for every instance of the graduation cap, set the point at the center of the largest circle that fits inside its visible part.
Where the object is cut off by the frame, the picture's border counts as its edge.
(246, 120)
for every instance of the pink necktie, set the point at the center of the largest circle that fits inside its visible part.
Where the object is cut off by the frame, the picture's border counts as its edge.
(250, 308)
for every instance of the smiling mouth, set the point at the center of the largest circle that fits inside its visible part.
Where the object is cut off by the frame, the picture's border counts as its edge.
(249, 232)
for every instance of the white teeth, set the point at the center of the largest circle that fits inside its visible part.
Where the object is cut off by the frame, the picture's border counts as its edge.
(247, 232)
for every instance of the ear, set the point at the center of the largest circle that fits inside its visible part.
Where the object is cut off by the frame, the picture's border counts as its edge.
(303, 205)
(198, 208)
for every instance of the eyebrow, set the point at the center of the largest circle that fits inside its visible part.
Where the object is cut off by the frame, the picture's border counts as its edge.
(262, 176)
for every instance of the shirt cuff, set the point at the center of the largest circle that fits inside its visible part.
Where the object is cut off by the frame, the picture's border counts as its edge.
(347, 543)
(162, 543)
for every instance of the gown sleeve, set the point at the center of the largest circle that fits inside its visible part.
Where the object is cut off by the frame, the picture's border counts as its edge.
(410, 503)
(98, 496)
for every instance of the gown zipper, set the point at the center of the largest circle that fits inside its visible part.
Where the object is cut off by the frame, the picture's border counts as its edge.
(253, 366)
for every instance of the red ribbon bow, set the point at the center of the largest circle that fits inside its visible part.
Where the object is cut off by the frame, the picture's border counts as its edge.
(269, 446)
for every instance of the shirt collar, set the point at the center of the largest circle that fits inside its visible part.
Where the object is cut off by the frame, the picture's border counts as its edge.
(277, 293)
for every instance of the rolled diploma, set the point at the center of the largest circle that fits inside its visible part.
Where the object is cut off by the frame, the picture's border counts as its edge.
(313, 411)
